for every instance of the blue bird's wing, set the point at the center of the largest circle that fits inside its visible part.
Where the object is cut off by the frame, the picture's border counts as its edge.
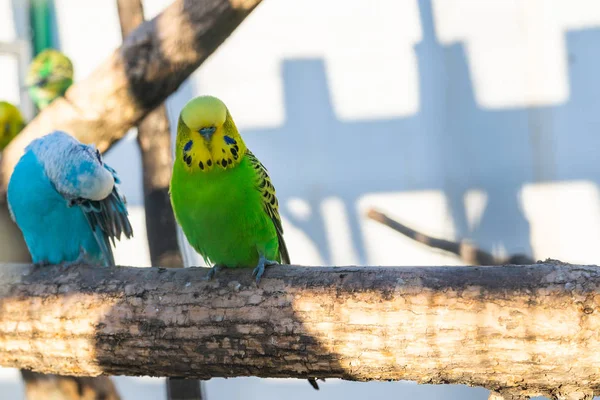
(108, 218)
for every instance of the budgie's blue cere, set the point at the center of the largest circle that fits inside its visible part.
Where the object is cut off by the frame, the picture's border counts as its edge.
(66, 202)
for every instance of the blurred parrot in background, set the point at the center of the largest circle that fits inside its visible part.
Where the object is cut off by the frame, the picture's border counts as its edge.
(11, 123)
(49, 76)
(12, 247)
(222, 195)
(67, 203)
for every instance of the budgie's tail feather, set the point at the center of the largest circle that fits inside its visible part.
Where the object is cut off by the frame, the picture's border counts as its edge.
(105, 249)
(283, 251)
(313, 383)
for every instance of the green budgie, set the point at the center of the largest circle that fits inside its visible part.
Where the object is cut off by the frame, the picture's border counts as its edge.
(49, 76)
(222, 195)
(11, 123)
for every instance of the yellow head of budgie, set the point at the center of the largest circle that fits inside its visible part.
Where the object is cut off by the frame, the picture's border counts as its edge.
(207, 137)
(11, 123)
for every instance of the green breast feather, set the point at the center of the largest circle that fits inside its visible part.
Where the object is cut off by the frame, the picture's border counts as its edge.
(229, 216)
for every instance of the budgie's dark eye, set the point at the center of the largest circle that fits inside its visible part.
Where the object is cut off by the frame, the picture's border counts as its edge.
(98, 156)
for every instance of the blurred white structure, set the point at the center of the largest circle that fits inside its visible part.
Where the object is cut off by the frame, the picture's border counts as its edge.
(463, 119)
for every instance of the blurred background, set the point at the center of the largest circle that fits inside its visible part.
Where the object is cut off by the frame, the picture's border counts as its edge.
(464, 119)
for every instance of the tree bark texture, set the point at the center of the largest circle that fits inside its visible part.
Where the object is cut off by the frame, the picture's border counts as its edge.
(150, 65)
(521, 330)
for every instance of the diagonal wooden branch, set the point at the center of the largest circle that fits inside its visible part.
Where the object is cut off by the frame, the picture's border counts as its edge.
(467, 252)
(150, 65)
(518, 330)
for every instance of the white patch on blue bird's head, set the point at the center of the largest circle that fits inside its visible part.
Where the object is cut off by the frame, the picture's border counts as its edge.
(75, 169)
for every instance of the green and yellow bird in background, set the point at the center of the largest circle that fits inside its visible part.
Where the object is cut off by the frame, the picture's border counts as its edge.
(12, 246)
(222, 195)
(11, 123)
(49, 76)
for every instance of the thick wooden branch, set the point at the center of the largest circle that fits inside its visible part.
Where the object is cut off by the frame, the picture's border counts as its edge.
(517, 329)
(150, 65)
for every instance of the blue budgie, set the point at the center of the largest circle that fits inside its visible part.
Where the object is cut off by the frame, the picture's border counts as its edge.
(66, 202)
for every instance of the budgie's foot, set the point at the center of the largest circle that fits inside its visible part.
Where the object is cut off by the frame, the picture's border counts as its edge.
(211, 274)
(260, 268)
(82, 258)
(41, 264)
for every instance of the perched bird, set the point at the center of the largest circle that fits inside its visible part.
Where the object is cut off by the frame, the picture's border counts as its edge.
(49, 76)
(11, 241)
(66, 202)
(222, 195)
(11, 123)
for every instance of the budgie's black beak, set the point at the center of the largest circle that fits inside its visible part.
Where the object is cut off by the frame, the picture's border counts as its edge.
(207, 132)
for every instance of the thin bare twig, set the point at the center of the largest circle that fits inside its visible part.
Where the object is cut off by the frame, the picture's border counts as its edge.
(467, 252)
